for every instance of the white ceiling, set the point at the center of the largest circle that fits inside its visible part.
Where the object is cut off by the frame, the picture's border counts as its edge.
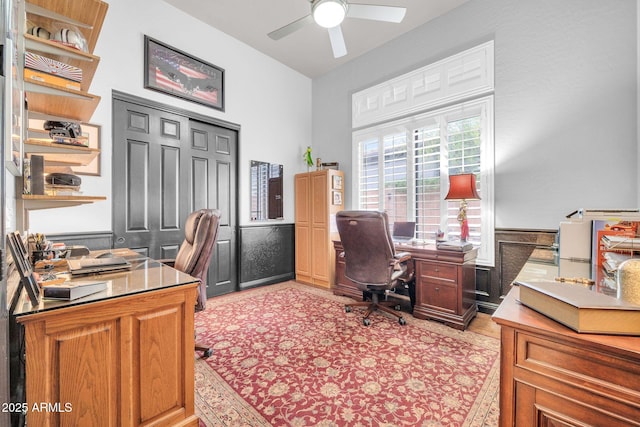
(308, 50)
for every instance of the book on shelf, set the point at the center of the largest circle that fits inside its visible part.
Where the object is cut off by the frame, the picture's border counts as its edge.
(580, 308)
(71, 290)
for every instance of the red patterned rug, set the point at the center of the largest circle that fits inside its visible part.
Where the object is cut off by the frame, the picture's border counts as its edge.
(289, 355)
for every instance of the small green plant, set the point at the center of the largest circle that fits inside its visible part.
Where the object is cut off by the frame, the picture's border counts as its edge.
(307, 157)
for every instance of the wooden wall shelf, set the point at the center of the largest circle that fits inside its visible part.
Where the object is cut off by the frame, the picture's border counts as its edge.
(34, 202)
(60, 154)
(56, 101)
(86, 61)
(90, 13)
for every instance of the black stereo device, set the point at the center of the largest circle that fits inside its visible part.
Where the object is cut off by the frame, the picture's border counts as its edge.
(63, 179)
(64, 129)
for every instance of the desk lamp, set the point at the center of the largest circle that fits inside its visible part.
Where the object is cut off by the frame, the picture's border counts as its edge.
(463, 187)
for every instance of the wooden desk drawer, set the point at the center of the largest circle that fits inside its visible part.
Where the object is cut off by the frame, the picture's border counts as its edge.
(438, 270)
(585, 369)
(440, 297)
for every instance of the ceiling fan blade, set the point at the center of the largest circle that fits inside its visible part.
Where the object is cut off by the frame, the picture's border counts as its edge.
(290, 28)
(337, 42)
(376, 13)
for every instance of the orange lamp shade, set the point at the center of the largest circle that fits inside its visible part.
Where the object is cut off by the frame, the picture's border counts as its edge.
(462, 187)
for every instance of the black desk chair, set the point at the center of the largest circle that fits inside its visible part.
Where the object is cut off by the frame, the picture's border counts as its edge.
(370, 259)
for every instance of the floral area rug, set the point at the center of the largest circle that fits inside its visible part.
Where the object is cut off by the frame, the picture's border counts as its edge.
(289, 355)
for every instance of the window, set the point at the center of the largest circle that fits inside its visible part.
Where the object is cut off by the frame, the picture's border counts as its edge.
(404, 165)
(411, 132)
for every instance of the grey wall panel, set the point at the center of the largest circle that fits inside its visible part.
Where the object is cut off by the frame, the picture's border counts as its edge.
(200, 183)
(170, 212)
(137, 170)
(267, 254)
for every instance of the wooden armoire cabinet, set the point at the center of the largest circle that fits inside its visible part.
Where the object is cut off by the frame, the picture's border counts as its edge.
(319, 196)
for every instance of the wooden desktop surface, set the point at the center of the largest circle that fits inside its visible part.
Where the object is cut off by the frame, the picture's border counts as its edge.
(146, 274)
(124, 356)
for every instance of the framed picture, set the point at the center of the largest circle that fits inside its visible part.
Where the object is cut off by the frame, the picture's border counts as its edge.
(174, 72)
(21, 259)
(336, 182)
(337, 197)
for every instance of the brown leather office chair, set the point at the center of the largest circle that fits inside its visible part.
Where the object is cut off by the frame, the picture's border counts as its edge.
(194, 255)
(370, 259)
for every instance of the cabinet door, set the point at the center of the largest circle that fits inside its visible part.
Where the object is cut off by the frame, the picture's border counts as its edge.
(75, 368)
(320, 255)
(303, 227)
(302, 197)
(539, 408)
(303, 252)
(319, 200)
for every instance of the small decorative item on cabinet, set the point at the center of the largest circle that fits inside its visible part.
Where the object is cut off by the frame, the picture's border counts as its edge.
(307, 158)
(337, 197)
(336, 182)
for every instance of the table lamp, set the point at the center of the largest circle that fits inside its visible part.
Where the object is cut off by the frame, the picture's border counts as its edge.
(463, 187)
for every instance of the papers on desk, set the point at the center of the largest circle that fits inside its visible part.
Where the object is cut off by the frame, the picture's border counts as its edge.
(71, 290)
(614, 242)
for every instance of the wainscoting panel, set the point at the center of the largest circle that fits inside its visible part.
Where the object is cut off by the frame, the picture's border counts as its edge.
(266, 254)
(513, 248)
(93, 240)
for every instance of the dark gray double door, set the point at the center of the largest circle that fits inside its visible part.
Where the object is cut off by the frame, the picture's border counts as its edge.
(165, 166)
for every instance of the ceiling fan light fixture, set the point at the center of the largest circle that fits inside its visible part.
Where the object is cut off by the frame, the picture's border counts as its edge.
(329, 13)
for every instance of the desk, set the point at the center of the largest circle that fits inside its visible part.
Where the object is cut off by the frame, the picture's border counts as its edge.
(123, 356)
(551, 375)
(445, 283)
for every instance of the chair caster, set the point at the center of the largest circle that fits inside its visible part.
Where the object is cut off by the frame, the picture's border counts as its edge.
(402, 321)
(207, 353)
(366, 322)
(347, 309)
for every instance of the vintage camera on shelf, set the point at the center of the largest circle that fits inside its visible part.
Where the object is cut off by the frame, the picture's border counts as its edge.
(63, 129)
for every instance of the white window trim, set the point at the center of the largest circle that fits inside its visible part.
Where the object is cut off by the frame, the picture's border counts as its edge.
(467, 76)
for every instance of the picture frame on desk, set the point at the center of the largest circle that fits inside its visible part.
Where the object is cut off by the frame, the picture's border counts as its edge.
(174, 72)
(25, 270)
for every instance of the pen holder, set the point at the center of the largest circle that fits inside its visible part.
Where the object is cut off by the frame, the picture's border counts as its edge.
(629, 281)
(40, 255)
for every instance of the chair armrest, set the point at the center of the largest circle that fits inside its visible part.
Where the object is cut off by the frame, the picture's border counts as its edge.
(401, 263)
(402, 257)
(168, 262)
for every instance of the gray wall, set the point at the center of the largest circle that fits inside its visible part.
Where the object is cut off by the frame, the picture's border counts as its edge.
(565, 101)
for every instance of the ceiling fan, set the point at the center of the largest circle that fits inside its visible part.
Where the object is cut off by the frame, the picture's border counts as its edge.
(330, 14)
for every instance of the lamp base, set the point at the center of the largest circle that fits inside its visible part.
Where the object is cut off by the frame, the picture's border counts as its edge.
(464, 230)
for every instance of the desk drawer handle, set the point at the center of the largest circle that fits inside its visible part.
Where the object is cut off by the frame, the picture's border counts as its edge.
(120, 240)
